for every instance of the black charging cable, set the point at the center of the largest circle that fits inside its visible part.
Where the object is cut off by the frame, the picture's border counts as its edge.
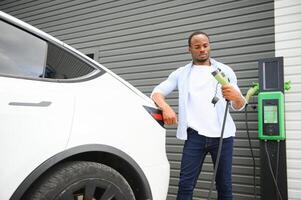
(251, 149)
(219, 150)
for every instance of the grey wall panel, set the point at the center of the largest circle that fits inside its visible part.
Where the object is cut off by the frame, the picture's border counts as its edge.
(144, 41)
(288, 45)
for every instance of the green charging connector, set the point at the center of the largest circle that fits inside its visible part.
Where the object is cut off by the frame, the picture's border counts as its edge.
(220, 77)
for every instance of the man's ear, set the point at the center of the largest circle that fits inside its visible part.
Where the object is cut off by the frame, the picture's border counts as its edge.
(188, 49)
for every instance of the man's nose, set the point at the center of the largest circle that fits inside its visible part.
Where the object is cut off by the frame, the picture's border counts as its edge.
(202, 49)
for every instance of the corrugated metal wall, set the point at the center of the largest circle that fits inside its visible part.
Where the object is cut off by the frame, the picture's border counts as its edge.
(288, 45)
(143, 41)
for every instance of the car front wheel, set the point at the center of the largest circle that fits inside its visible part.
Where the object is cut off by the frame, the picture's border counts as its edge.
(81, 180)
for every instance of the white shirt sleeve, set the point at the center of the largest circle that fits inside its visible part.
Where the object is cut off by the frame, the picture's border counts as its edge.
(233, 82)
(167, 86)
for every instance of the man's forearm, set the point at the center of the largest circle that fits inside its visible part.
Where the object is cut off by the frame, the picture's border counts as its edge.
(159, 99)
(239, 103)
(169, 115)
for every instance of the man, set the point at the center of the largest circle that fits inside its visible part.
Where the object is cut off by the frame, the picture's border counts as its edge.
(201, 115)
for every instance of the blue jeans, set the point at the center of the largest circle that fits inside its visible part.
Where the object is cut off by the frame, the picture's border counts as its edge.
(195, 150)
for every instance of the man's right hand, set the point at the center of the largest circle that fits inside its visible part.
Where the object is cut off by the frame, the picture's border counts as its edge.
(169, 116)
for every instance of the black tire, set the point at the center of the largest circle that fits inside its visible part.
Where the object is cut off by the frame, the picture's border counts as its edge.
(81, 180)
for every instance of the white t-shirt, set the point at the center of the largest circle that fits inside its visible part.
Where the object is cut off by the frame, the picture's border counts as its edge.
(201, 113)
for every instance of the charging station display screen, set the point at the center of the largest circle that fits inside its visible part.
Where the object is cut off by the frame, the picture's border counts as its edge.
(270, 114)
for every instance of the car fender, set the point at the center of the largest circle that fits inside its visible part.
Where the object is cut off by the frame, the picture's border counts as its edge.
(68, 153)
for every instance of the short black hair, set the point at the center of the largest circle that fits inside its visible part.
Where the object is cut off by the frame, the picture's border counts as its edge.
(197, 33)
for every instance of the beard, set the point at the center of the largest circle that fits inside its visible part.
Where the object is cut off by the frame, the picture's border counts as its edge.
(201, 59)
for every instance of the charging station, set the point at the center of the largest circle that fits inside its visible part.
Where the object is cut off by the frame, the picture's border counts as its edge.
(271, 129)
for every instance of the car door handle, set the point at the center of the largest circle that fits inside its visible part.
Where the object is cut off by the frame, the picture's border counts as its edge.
(40, 104)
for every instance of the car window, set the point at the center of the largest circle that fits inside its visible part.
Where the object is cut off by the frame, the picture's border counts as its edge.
(25, 55)
(21, 53)
(62, 64)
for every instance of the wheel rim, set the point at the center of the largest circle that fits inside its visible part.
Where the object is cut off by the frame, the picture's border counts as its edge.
(91, 189)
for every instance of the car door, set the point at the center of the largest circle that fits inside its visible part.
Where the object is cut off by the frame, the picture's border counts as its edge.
(35, 112)
(35, 122)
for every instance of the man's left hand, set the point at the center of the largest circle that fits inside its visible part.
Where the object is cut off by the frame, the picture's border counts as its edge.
(231, 94)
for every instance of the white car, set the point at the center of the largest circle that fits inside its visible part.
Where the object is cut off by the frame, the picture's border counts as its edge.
(70, 128)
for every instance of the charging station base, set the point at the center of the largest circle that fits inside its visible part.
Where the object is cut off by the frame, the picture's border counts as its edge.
(268, 189)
